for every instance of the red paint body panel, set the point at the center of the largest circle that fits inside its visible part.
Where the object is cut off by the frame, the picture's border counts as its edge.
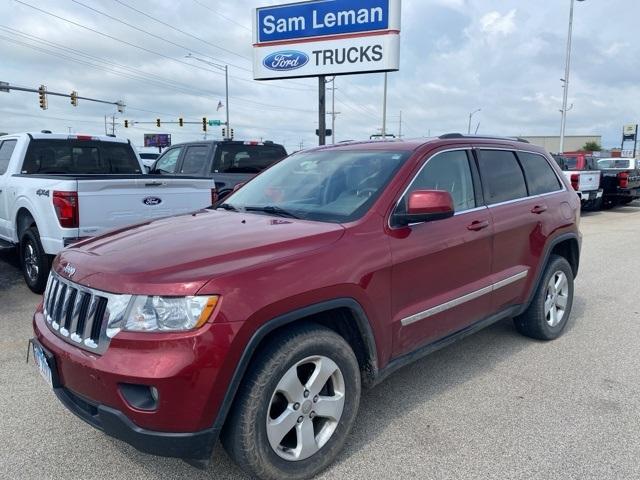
(264, 267)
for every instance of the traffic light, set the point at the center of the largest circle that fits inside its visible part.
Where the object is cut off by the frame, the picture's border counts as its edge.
(157, 122)
(126, 124)
(42, 95)
(224, 133)
(204, 124)
(181, 122)
(231, 131)
(74, 98)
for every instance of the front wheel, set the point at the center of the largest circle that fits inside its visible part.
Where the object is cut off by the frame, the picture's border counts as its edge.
(547, 316)
(296, 406)
(35, 262)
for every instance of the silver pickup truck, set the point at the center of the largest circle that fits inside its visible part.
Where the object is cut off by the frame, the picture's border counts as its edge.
(57, 189)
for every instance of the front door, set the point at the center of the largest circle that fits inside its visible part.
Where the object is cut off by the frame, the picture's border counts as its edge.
(441, 274)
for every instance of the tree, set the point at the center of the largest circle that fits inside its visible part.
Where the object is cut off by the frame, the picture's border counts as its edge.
(592, 147)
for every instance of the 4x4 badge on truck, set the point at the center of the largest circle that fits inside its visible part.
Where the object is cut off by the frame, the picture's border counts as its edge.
(69, 270)
(152, 201)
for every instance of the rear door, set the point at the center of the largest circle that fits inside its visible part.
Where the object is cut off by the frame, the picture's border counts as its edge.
(519, 218)
(6, 150)
(441, 273)
(111, 203)
(195, 160)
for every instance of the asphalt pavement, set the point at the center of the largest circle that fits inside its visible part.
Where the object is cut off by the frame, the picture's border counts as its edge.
(493, 406)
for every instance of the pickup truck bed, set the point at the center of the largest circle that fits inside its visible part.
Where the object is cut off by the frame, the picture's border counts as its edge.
(57, 189)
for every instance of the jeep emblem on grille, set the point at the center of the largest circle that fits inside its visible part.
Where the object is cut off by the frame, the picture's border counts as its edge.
(69, 270)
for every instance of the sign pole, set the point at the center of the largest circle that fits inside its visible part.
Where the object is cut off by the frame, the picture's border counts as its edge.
(322, 110)
(635, 142)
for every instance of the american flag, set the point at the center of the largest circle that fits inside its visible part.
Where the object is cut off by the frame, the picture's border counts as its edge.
(220, 105)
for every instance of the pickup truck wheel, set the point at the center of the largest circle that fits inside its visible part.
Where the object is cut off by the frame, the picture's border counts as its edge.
(296, 405)
(35, 262)
(547, 316)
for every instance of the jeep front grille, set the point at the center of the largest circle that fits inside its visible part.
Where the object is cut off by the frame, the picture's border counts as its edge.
(77, 314)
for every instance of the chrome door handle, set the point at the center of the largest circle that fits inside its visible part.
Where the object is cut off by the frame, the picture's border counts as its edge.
(477, 225)
(538, 209)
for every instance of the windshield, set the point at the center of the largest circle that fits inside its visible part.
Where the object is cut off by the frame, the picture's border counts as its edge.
(621, 163)
(331, 186)
(246, 158)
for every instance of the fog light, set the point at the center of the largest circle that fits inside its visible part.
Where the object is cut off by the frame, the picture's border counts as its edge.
(140, 397)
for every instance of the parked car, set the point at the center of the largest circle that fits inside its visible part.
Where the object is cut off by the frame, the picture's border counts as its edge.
(322, 275)
(620, 179)
(231, 162)
(585, 178)
(56, 189)
(148, 156)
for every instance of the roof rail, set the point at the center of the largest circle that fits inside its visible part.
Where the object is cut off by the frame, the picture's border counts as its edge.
(449, 136)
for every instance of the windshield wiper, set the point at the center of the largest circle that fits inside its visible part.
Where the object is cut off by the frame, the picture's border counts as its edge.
(270, 209)
(228, 207)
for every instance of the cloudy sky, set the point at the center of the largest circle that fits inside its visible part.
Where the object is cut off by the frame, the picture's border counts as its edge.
(503, 56)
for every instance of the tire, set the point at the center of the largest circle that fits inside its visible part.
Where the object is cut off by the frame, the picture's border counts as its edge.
(35, 263)
(539, 321)
(274, 388)
(626, 201)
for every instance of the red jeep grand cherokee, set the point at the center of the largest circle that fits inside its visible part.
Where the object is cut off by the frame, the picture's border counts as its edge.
(262, 319)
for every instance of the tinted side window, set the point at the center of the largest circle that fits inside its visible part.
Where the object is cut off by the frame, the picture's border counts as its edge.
(6, 149)
(168, 161)
(194, 160)
(540, 176)
(447, 171)
(501, 176)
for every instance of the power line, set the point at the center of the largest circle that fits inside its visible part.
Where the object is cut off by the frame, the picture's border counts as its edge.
(163, 83)
(221, 15)
(164, 39)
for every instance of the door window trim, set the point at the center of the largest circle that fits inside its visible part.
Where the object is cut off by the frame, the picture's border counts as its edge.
(515, 151)
(470, 158)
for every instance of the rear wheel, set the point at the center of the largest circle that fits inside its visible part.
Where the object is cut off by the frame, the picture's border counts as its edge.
(296, 405)
(626, 201)
(547, 316)
(35, 262)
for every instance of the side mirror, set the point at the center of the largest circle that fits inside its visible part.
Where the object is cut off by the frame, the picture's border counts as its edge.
(426, 206)
(147, 169)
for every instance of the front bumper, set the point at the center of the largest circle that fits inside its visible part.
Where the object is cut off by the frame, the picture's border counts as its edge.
(191, 445)
(187, 370)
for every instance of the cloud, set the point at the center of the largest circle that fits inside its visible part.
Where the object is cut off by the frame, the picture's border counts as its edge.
(494, 23)
(457, 55)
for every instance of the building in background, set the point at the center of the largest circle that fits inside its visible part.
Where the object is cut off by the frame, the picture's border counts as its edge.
(572, 143)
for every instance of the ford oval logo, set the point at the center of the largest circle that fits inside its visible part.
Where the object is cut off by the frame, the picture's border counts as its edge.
(286, 60)
(152, 201)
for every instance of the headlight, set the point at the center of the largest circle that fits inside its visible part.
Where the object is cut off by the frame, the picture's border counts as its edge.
(162, 314)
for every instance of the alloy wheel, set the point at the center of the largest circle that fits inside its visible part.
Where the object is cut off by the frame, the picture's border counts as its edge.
(305, 408)
(557, 298)
(30, 259)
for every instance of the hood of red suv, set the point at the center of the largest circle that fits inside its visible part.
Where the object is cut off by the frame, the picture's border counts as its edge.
(178, 255)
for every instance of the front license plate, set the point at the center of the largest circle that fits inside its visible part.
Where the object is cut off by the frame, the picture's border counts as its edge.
(42, 363)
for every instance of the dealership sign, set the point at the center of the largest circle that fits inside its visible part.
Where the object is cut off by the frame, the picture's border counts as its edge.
(326, 37)
(161, 140)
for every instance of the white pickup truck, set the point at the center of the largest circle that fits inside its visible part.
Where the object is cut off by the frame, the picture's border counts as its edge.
(57, 189)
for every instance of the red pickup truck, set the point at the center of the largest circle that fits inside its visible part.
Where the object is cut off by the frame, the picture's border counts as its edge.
(262, 319)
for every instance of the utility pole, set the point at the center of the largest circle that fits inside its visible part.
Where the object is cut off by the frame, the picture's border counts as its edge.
(470, 117)
(384, 108)
(565, 80)
(333, 112)
(225, 69)
(400, 126)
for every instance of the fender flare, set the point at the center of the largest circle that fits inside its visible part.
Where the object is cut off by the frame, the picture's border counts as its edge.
(545, 260)
(261, 333)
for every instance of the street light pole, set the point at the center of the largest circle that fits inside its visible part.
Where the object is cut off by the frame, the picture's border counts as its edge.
(384, 109)
(565, 80)
(470, 117)
(225, 69)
